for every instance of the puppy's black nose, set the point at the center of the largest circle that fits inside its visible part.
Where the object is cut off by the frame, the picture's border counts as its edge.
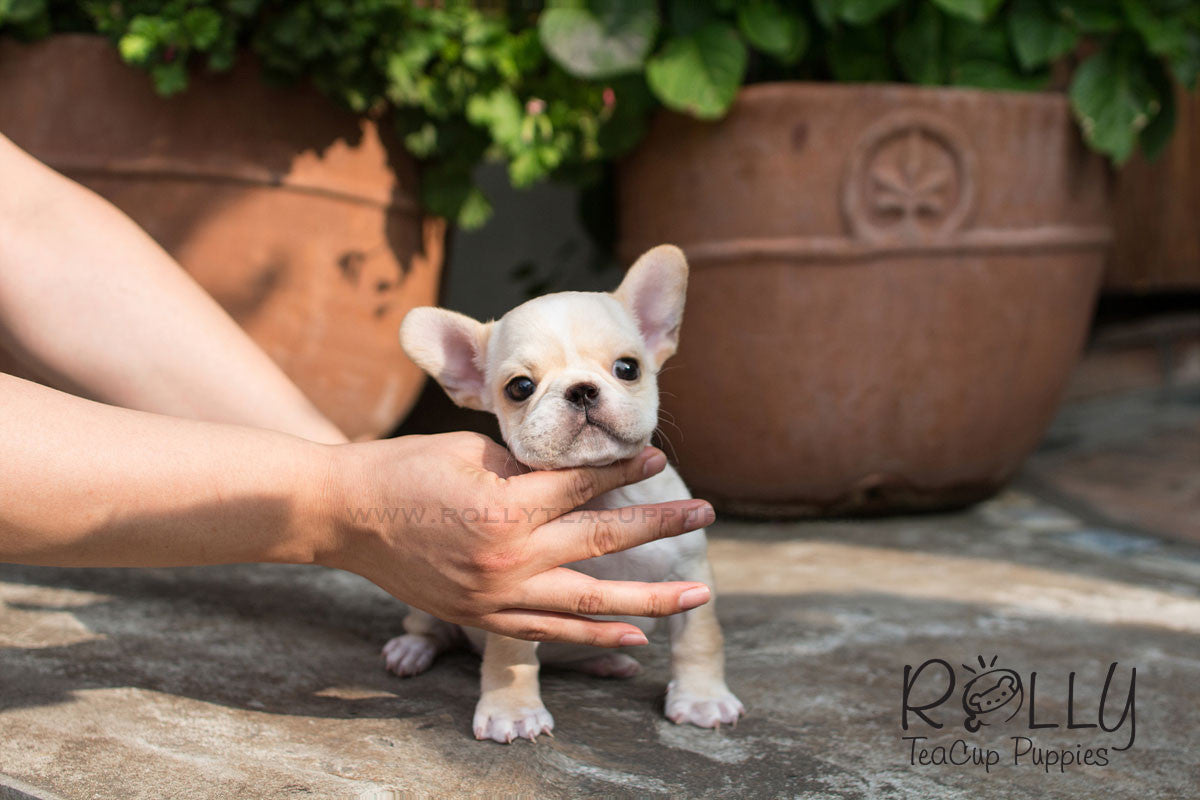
(583, 395)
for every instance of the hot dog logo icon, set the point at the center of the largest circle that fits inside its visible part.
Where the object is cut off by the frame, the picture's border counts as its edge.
(995, 695)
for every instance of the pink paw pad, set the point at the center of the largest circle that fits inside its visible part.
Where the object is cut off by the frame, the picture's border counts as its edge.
(505, 725)
(409, 655)
(705, 709)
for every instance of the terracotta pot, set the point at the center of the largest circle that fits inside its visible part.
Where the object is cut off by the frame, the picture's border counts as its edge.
(1158, 204)
(889, 287)
(300, 218)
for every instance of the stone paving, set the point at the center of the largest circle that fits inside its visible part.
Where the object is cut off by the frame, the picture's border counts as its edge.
(265, 681)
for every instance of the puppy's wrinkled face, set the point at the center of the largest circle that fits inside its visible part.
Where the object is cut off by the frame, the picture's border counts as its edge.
(572, 377)
(567, 377)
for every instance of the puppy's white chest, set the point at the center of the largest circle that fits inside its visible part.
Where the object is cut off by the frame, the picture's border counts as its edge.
(661, 560)
(655, 561)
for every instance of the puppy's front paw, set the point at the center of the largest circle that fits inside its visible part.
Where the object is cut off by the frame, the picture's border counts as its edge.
(409, 654)
(503, 721)
(708, 706)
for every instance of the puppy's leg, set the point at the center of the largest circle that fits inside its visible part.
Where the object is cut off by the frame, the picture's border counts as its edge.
(697, 692)
(510, 705)
(425, 637)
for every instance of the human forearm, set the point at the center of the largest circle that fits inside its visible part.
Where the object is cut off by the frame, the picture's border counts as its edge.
(92, 305)
(84, 484)
(448, 523)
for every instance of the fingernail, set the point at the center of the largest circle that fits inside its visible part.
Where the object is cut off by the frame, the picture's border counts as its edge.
(694, 597)
(699, 516)
(654, 464)
(633, 639)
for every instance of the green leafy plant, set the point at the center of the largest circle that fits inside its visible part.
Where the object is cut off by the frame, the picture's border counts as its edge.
(560, 89)
(1120, 55)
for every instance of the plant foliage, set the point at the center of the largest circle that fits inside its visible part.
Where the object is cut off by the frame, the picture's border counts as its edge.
(558, 89)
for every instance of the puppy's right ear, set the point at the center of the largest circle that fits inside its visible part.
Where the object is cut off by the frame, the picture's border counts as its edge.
(452, 348)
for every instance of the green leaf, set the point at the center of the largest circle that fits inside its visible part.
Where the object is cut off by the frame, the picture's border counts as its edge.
(981, 74)
(160, 30)
(688, 16)
(974, 41)
(448, 191)
(18, 11)
(169, 78)
(474, 211)
(243, 7)
(526, 169)
(860, 12)
(1037, 36)
(135, 48)
(1162, 37)
(978, 55)
(499, 112)
(773, 30)
(633, 103)
(221, 59)
(203, 26)
(699, 74)
(422, 142)
(974, 10)
(1113, 101)
(826, 12)
(1187, 65)
(918, 47)
(1166, 36)
(607, 38)
(859, 55)
(1091, 16)
(1155, 137)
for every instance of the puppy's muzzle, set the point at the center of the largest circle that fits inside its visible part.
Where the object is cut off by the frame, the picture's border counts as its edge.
(583, 395)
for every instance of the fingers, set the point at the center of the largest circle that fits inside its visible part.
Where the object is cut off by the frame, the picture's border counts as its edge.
(548, 626)
(567, 591)
(548, 493)
(590, 533)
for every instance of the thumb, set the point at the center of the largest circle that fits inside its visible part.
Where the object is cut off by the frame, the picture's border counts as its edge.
(548, 494)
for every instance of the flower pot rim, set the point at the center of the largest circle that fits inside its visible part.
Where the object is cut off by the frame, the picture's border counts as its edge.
(131, 88)
(752, 91)
(68, 35)
(758, 92)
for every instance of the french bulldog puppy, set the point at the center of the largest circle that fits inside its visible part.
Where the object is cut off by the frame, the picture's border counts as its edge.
(572, 378)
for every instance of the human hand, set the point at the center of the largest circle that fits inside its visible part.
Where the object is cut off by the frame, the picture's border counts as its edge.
(453, 525)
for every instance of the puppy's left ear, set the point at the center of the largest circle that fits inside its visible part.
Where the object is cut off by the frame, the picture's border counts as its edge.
(653, 291)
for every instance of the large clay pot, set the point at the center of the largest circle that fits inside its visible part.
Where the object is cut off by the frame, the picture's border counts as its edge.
(300, 218)
(1158, 208)
(889, 287)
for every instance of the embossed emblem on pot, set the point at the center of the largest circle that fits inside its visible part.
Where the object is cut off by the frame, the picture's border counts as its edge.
(910, 178)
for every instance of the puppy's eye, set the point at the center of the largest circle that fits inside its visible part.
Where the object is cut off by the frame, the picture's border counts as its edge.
(519, 389)
(626, 369)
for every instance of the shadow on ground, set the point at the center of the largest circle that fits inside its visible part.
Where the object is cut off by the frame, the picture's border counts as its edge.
(266, 680)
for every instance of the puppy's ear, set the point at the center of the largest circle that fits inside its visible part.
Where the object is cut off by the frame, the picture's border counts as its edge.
(653, 291)
(451, 347)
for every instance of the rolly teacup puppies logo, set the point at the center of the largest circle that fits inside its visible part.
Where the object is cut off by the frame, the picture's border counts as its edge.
(987, 696)
(994, 696)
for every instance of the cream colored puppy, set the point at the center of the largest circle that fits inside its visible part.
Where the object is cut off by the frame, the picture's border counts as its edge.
(572, 379)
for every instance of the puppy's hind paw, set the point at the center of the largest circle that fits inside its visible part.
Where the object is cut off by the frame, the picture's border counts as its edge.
(506, 724)
(409, 654)
(706, 707)
(608, 665)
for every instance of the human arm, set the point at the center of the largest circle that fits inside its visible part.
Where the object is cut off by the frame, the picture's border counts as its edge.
(90, 304)
(86, 484)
